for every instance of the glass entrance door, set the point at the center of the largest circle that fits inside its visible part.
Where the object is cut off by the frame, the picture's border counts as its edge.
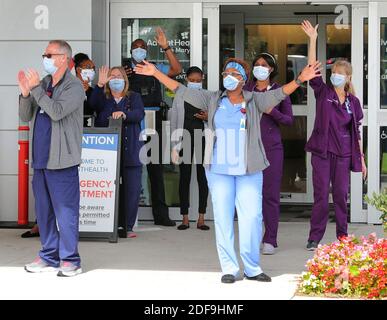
(373, 24)
(179, 22)
(276, 29)
(253, 30)
(290, 47)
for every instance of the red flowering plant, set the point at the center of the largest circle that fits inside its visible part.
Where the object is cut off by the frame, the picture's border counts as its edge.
(350, 267)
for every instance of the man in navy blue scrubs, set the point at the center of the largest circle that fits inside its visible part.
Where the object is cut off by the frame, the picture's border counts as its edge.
(55, 108)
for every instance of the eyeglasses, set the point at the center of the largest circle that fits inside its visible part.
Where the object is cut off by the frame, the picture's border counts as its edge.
(49, 55)
(233, 74)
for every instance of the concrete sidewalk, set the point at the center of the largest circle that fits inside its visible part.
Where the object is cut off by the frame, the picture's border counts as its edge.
(162, 263)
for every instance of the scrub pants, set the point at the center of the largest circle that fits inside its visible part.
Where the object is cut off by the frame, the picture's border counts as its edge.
(272, 177)
(185, 177)
(132, 188)
(160, 208)
(57, 199)
(244, 193)
(334, 169)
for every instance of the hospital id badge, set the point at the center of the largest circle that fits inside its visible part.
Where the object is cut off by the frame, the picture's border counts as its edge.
(243, 124)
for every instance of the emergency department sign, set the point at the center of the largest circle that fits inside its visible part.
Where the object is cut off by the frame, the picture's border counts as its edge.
(97, 177)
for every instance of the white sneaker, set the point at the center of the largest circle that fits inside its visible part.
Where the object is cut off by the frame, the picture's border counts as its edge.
(38, 266)
(68, 269)
(268, 249)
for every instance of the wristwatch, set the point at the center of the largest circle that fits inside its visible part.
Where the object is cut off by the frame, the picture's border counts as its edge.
(298, 81)
(166, 49)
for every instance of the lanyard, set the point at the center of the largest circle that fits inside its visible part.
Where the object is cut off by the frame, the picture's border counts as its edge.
(348, 105)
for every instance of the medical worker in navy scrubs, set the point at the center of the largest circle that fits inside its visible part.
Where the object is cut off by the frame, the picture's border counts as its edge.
(265, 69)
(335, 144)
(112, 97)
(54, 106)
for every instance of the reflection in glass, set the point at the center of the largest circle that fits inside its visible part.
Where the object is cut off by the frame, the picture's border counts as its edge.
(205, 52)
(383, 63)
(287, 44)
(227, 42)
(338, 47)
(294, 170)
(178, 34)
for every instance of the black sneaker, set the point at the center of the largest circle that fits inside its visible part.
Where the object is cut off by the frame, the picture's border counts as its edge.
(165, 222)
(228, 278)
(312, 245)
(262, 277)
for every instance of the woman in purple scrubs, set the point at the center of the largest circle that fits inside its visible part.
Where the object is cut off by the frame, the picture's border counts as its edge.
(335, 144)
(265, 69)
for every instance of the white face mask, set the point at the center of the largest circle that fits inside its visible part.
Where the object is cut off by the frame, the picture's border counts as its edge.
(88, 75)
(195, 85)
(261, 73)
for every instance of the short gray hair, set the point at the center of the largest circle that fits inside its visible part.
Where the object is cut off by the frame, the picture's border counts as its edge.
(64, 48)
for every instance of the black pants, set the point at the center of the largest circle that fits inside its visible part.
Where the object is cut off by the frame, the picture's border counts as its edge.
(185, 180)
(156, 177)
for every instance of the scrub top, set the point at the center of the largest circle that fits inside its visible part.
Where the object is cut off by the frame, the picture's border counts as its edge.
(339, 141)
(42, 136)
(229, 156)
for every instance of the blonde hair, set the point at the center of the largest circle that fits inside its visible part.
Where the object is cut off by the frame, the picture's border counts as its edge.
(126, 91)
(348, 70)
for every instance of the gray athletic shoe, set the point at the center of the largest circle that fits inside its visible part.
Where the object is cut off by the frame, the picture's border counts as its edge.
(69, 269)
(311, 246)
(268, 249)
(38, 266)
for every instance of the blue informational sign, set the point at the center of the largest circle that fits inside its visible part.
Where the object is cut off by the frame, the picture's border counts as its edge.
(99, 182)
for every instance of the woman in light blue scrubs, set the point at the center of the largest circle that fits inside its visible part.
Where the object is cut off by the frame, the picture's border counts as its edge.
(235, 158)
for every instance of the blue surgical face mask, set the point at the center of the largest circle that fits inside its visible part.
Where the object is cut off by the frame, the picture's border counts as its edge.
(261, 73)
(49, 66)
(230, 83)
(195, 85)
(139, 54)
(117, 85)
(338, 80)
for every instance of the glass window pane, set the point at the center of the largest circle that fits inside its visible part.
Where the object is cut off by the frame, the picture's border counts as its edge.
(338, 46)
(287, 44)
(205, 51)
(383, 158)
(294, 169)
(365, 63)
(227, 46)
(383, 63)
(177, 31)
(227, 42)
